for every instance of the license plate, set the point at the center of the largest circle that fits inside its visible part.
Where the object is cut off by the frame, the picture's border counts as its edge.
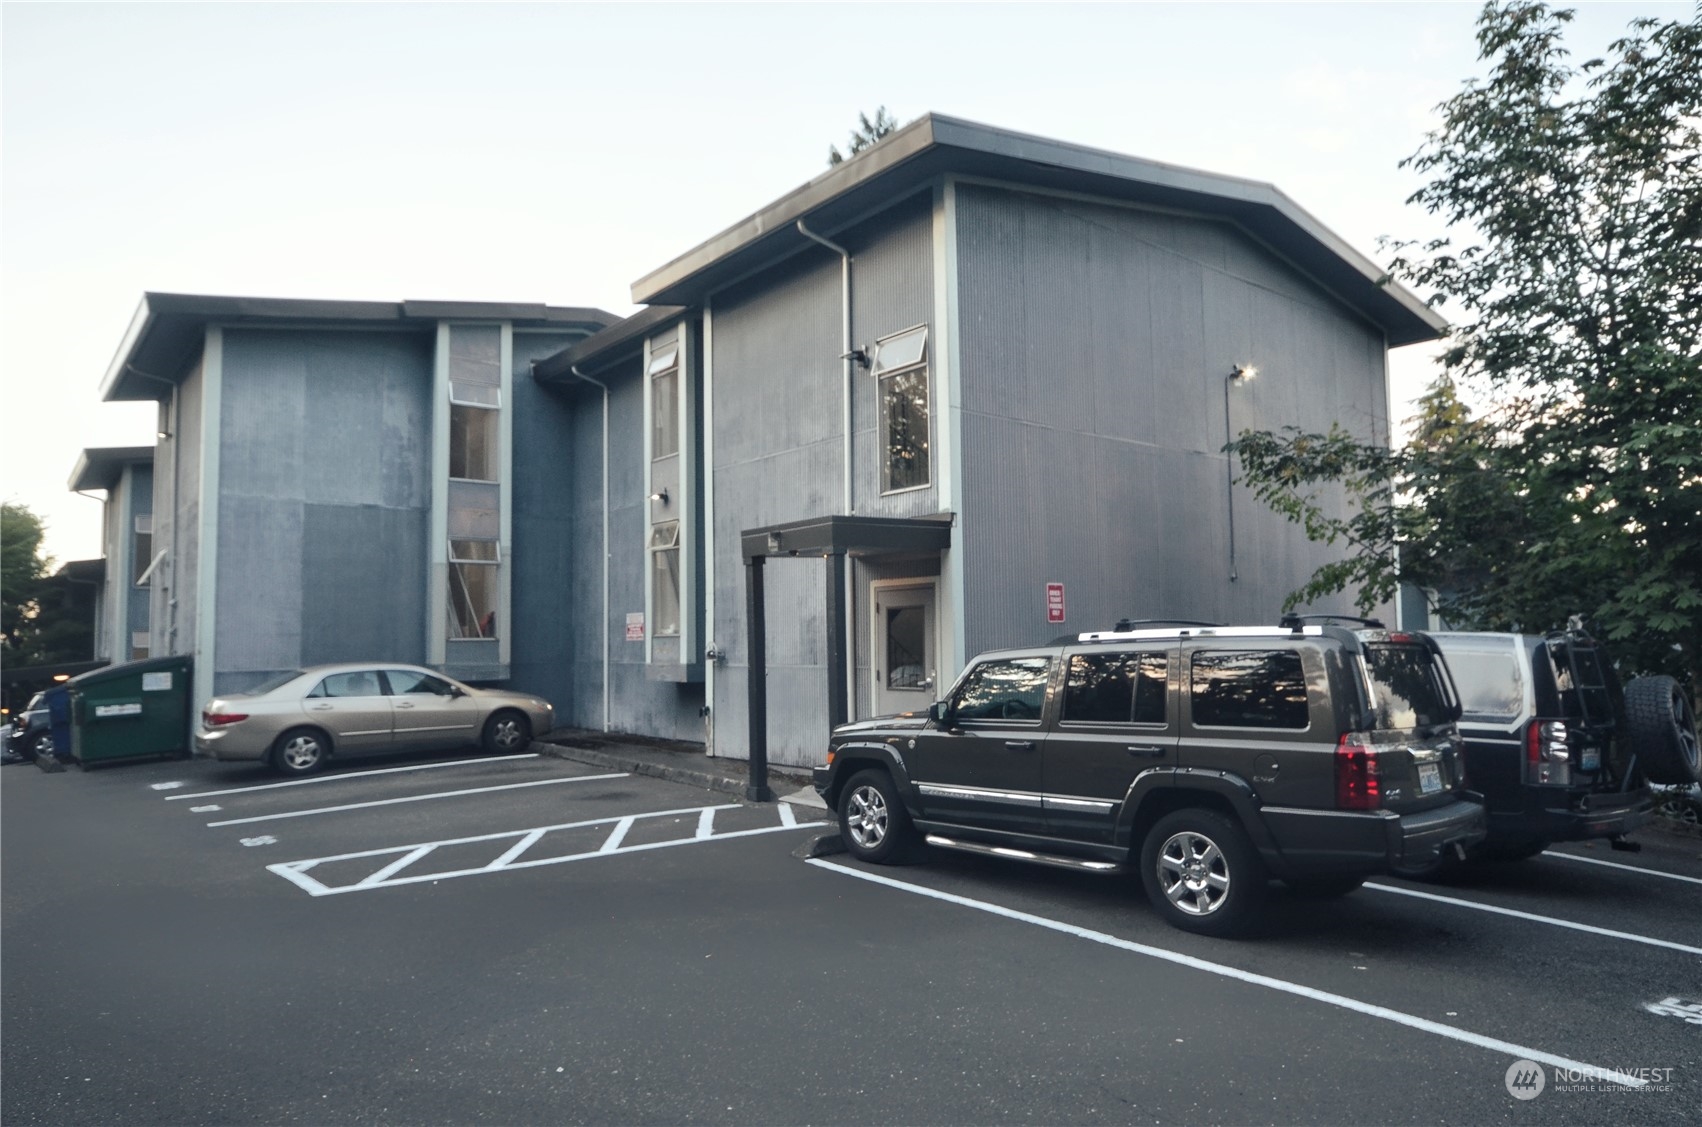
(1429, 778)
(1592, 760)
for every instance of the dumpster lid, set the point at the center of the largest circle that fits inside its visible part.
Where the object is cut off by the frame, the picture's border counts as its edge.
(173, 662)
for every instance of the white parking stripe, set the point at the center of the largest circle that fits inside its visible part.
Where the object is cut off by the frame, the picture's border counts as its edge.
(1552, 921)
(353, 775)
(1617, 865)
(411, 798)
(1411, 1021)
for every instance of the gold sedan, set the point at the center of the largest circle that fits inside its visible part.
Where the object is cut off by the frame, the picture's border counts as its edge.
(298, 720)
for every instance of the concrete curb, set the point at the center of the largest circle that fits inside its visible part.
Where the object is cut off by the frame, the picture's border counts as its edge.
(617, 762)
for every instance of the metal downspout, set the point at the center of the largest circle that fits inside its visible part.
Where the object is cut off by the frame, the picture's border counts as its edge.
(846, 360)
(574, 368)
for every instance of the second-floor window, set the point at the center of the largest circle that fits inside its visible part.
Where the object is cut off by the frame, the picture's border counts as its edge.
(901, 373)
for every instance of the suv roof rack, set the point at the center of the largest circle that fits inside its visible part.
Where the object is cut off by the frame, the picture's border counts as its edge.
(1296, 621)
(1138, 623)
(1175, 632)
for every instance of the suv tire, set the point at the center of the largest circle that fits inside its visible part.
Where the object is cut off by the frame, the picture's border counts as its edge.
(1662, 728)
(1202, 873)
(872, 821)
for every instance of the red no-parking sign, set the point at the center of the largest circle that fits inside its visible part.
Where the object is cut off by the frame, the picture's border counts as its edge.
(1054, 602)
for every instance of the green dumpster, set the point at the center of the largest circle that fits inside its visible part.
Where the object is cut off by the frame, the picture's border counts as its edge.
(132, 711)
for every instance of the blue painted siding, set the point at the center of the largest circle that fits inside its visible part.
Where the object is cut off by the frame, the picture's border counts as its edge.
(324, 500)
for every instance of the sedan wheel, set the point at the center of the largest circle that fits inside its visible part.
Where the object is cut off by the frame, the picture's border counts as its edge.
(506, 733)
(299, 751)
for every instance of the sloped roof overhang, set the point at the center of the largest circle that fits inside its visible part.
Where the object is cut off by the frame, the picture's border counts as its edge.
(934, 147)
(168, 329)
(99, 467)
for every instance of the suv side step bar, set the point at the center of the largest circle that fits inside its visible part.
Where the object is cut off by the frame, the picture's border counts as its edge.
(1052, 859)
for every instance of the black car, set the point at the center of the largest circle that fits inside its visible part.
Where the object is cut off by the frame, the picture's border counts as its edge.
(1558, 750)
(32, 731)
(1207, 758)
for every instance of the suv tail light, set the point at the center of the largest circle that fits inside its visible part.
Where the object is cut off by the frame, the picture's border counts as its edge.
(1548, 753)
(219, 719)
(1356, 773)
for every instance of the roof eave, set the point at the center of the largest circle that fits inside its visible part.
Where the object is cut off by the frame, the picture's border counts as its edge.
(935, 146)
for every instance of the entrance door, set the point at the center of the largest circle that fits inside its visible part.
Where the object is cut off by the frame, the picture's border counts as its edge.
(905, 676)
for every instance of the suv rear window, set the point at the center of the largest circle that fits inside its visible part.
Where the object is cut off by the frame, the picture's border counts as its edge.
(1249, 689)
(1491, 685)
(1407, 688)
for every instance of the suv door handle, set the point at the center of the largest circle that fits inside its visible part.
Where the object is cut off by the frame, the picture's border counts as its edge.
(1020, 745)
(1146, 750)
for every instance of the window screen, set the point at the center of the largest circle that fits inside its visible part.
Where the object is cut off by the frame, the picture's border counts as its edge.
(1248, 689)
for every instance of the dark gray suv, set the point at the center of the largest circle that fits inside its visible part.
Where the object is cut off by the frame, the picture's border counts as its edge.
(1207, 758)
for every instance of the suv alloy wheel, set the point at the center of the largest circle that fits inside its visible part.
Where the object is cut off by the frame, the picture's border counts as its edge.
(1201, 872)
(872, 822)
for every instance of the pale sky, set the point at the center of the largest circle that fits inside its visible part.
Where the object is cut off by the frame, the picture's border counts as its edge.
(557, 152)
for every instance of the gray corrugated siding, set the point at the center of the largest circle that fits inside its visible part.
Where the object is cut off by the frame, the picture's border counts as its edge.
(543, 551)
(637, 704)
(1095, 342)
(324, 500)
(779, 455)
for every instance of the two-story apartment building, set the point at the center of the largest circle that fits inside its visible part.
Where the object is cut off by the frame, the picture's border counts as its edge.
(970, 388)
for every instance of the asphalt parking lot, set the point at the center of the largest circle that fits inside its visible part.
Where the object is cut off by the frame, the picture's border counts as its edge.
(530, 939)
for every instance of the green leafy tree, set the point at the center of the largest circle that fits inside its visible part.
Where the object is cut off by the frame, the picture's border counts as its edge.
(23, 570)
(1572, 269)
(866, 134)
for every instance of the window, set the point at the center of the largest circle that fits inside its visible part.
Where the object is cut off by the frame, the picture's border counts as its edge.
(1116, 688)
(142, 556)
(901, 372)
(1249, 689)
(472, 442)
(1408, 691)
(472, 588)
(907, 649)
(665, 403)
(408, 682)
(1013, 689)
(665, 579)
(363, 683)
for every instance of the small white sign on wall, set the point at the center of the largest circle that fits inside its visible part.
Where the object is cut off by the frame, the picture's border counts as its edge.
(156, 682)
(635, 626)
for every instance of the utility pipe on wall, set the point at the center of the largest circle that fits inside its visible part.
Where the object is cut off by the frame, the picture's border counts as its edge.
(574, 368)
(848, 363)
